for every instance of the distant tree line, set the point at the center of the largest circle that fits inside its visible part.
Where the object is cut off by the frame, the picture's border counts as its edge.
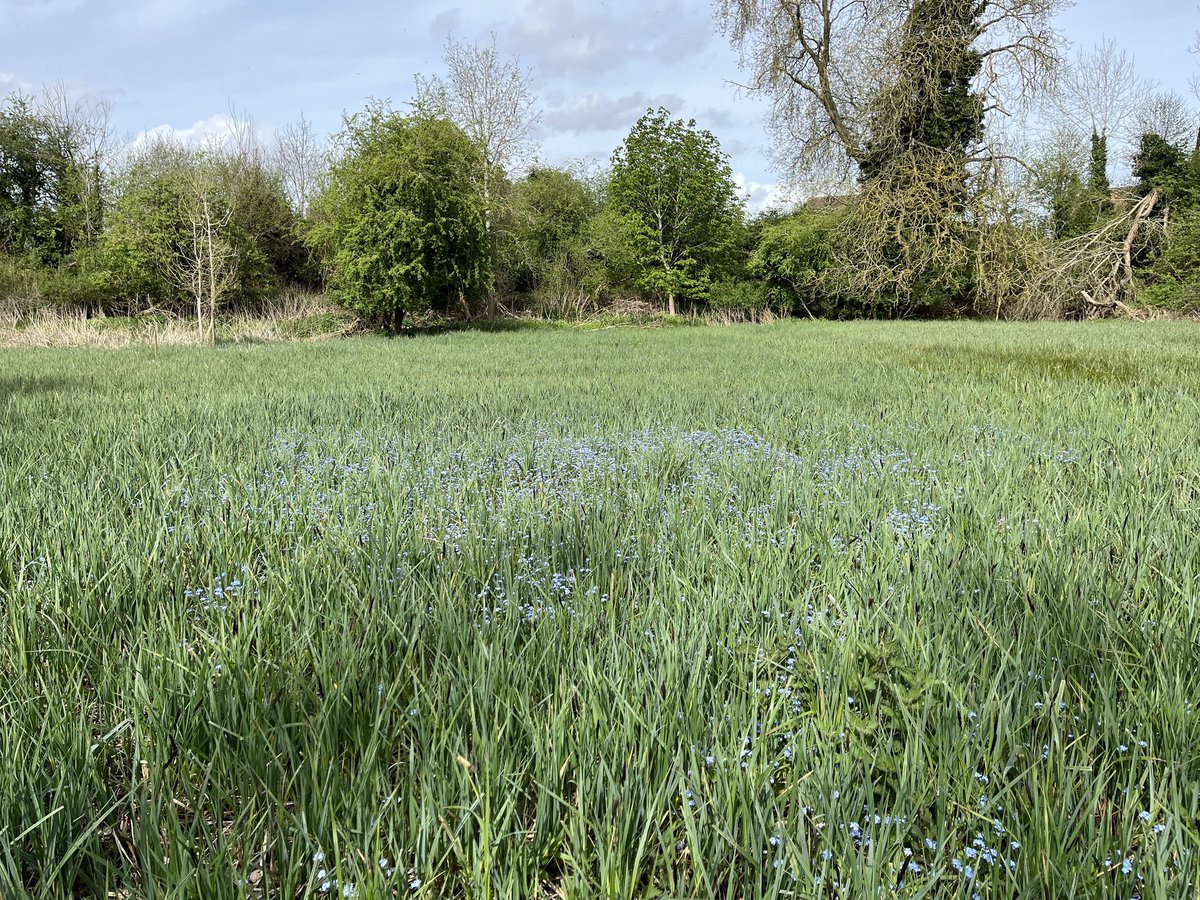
(442, 206)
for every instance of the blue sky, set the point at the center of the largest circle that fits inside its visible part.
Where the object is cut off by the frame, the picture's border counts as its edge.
(596, 65)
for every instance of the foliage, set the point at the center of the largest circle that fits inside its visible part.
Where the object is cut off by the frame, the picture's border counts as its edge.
(793, 257)
(1160, 166)
(839, 75)
(1098, 182)
(40, 186)
(1173, 279)
(738, 295)
(933, 105)
(402, 221)
(549, 255)
(675, 207)
(149, 232)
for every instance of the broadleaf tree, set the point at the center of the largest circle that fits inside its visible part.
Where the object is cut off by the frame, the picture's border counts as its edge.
(672, 198)
(401, 222)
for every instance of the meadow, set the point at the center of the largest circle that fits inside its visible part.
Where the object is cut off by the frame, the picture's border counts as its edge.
(802, 610)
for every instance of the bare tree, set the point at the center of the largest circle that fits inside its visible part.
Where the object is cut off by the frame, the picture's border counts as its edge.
(824, 64)
(488, 97)
(1101, 93)
(1169, 116)
(300, 161)
(206, 266)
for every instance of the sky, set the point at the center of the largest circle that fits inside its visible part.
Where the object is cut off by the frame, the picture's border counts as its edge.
(596, 65)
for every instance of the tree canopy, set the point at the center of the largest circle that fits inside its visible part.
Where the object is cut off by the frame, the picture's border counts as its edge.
(675, 205)
(402, 221)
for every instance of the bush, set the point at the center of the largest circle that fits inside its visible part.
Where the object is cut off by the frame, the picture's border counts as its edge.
(21, 283)
(402, 222)
(1173, 280)
(739, 296)
(794, 257)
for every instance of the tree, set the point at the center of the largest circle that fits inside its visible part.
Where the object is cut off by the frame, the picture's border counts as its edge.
(40, 185)
(85, 123)
(675, 205)
(673, 193)
(205, 265)
(548, 256)
(171, 192)
(792, 257)
(402, 220)
(489, 98)
(1058, 186)
(825, 66)
(1170, 117)
(1100, 93)
(931, 108)
(299, 160)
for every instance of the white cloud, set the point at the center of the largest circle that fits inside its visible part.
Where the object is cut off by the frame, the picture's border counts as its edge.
(577, 37)
(217, 130)
(597, 112)
(761, 196)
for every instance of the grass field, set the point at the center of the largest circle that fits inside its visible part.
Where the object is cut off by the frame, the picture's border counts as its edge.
(808, 610)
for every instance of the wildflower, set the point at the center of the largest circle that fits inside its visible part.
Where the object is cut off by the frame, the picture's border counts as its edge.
(1160, 828)
(415, 883)
(931, 843)
(1127, 867)
(318, 858)
(1144, 815)
(348, 890)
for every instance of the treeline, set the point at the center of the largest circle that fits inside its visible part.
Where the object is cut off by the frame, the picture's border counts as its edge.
(443, 208)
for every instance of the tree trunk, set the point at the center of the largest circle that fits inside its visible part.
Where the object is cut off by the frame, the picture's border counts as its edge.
(398, 320)
(671, 302)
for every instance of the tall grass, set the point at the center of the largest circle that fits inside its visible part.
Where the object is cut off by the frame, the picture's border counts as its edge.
(800, 611)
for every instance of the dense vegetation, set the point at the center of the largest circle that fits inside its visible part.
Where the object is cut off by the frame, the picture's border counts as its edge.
(377, 618)
(943, 203)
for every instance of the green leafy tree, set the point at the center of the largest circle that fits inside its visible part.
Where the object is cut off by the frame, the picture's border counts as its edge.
(1098, 182)
(1161, 166)
(1058, 184)
(793, 257)
(402, 220)
(548, 256)
(675, 206)
(167, 194)
(146, 229)
(40, 186)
